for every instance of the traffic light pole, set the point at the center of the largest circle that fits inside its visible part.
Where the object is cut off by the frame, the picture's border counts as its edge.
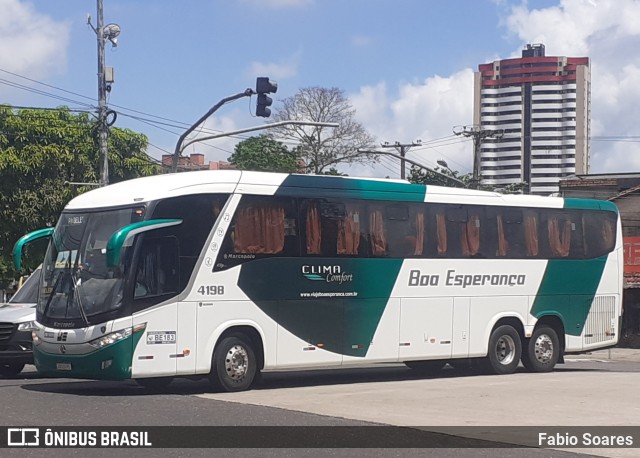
(179, 147)
(262, 127)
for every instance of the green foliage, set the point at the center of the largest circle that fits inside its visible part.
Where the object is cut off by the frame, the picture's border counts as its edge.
(265, 154)
(41, 150)
(442, 176)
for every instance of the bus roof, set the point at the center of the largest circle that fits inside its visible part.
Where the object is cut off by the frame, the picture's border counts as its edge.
(156, 187)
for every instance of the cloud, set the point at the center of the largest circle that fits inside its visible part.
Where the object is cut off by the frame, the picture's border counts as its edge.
(277, 4)
(427, 111)
(218, 149)
(31, 43)
(276, 70)
(608, 32)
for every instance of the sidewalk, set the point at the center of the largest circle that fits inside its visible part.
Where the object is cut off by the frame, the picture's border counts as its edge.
(612, 354)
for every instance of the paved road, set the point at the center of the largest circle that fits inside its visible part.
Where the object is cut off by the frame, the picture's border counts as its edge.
(324, 398)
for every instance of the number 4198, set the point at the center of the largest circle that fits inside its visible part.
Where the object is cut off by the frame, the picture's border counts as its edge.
(211, 290)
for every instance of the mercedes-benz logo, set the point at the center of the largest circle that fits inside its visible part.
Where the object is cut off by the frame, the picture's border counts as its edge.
(63, 349)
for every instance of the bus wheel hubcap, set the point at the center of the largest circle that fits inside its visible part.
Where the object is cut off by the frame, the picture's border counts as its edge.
(505, 350)
(543, 348)
(236, 363)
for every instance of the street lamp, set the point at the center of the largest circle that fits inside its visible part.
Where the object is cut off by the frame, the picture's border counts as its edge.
(109, 32)
(443, 163)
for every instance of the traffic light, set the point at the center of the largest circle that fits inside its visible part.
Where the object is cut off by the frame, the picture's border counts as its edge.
(264, 86)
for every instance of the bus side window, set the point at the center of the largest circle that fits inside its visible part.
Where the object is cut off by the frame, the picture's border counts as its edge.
(157, 272)
(263, 226)
(377, 231)
(599, 233)
(558, 232)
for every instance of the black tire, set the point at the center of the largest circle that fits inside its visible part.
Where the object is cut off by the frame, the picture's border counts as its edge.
(234, 365)
(11, 369)
(425, 366)
(154, 383)
(505, 350)
(542, 350)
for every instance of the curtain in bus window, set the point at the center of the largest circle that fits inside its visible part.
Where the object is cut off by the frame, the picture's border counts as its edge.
(559, 240)
(470, 236)
(259, 229)
(608, 234)
(376, 228)
(419, 233)
(441, 233)
(531, 234)
(503, 244)
(349, 231)
(313, 230)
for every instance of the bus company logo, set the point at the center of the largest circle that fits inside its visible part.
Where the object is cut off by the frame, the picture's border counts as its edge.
(23, 437)
(328, 274)
(63, 324)
(453, 278)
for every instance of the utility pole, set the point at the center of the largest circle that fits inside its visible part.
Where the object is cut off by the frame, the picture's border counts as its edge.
(478, 134)
(417, 164)
(402, 148)
(110, 32)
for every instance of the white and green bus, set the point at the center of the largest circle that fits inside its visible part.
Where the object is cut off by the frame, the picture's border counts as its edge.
(228, 273)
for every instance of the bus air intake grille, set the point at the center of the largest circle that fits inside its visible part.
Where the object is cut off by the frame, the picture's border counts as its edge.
(600, 325)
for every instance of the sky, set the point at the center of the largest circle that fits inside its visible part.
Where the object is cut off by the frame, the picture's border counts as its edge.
(405, 65)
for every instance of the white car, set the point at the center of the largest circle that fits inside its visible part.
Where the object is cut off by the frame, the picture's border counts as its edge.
(17, 320)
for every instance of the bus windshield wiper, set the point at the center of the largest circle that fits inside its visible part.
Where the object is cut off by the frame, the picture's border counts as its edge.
(53, 293)
(77, 285)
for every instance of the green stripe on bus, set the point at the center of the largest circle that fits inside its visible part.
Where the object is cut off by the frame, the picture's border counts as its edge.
(589, 204)
(112, 362)
(350, 188)
(339, 314)
(567, 290)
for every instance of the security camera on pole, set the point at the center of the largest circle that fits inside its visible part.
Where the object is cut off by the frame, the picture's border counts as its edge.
(105, 79)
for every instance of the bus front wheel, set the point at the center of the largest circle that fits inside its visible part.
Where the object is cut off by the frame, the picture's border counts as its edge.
(543, 350)
(505, 350)
(234, 365)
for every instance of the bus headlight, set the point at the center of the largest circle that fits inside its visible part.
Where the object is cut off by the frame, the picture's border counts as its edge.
(27, 326)
(111, 338)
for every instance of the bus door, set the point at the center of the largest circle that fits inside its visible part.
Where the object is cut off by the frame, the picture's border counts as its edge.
(426, 327)
(168, 323)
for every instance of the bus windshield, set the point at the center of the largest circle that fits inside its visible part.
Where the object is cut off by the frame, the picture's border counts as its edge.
(76, 282)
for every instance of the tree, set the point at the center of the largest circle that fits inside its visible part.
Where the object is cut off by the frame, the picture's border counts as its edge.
(263, 153)
(40, 150)
(324, 147)
(423, 176)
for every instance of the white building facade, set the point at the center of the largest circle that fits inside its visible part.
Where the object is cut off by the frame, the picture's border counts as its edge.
(539, 107)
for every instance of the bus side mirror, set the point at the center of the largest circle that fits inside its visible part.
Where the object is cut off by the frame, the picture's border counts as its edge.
(25, 240)
(124, 237)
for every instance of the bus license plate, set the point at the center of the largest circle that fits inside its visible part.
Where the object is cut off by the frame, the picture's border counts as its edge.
(63, 366)
(162, 337)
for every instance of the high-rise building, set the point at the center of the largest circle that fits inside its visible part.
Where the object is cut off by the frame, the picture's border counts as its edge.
(541, 105)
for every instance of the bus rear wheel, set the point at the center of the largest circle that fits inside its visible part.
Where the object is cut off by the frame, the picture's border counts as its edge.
(234, 365)
(505, 350)
(543, 350)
